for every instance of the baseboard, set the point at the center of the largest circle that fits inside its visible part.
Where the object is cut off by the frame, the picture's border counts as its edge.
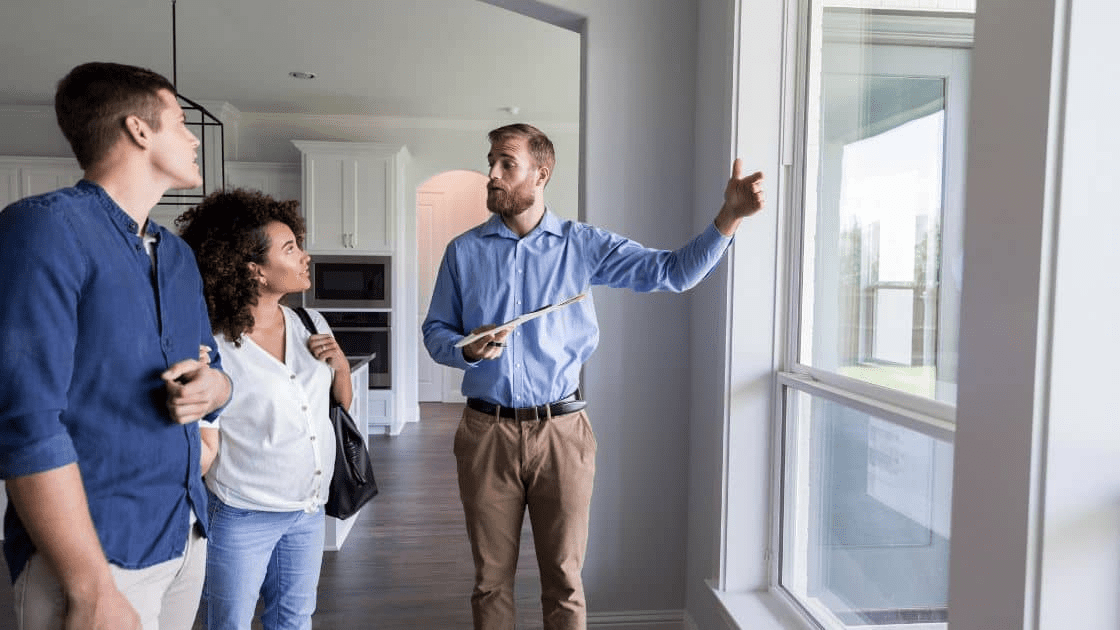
(637, 620)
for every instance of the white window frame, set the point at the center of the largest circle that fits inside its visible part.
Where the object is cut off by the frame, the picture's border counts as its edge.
(926, 416)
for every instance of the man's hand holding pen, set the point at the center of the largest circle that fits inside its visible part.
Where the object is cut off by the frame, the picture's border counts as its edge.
(487, 346)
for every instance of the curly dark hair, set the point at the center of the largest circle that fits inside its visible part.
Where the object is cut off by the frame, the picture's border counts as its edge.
(227, 232)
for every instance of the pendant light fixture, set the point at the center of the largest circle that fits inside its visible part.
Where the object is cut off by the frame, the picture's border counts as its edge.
(210, 132)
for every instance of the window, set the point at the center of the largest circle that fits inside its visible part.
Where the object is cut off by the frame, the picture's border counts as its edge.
(868, 367)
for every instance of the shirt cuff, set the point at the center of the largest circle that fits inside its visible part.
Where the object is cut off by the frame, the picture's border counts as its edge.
(212, 417)
(712, 235)
(462, 360)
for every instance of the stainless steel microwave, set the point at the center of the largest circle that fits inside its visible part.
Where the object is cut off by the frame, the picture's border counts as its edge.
(350, 281)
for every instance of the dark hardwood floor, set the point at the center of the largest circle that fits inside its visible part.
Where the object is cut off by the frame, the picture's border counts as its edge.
(406, 564)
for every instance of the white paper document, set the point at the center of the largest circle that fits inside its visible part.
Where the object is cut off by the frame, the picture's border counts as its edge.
(521, 319)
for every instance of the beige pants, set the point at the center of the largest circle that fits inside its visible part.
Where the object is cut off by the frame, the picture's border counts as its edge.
(506, 466)
(165, 595)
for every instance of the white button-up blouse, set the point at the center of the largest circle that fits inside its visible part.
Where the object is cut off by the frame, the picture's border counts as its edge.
(276, 452)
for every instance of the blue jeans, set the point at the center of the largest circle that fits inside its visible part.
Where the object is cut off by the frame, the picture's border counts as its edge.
(276, 555)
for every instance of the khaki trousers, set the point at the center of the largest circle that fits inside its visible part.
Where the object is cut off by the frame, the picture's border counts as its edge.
(165, 595)
(506, 466)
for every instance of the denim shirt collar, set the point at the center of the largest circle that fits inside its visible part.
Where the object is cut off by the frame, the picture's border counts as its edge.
(117, 216)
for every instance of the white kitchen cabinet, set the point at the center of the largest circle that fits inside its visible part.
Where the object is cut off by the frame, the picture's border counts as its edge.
(278, 179)
(25, 176)
(353, 194)
(281, 181)
(9, 184)
(335, 530)
(381, 417)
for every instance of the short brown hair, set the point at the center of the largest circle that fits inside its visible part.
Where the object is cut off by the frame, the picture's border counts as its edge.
(540, 147)
(227, 232)
(94, 99)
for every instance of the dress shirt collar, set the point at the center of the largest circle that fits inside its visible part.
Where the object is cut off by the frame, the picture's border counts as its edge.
(549, 223)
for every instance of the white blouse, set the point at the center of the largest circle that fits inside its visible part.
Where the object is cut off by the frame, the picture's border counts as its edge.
(276, 452)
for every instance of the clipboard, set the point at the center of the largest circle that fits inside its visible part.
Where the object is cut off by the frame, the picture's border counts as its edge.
(521, 319)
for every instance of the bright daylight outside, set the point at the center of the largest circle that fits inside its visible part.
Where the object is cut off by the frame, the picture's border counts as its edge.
(870, 372)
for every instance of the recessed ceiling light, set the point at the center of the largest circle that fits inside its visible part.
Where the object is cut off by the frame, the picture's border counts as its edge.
(302, 75)
(513, 110)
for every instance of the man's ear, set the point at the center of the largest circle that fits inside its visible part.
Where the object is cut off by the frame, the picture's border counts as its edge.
(542, 175)
(137, 130)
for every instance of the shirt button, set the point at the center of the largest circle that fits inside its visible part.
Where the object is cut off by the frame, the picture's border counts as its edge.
(318, 472)
(292, 376)
(312, 438)
(305, 407)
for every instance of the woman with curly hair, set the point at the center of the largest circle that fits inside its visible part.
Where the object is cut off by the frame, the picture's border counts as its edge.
(274, 441)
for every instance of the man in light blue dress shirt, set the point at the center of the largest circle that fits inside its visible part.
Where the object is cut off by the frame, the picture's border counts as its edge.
(524, 440)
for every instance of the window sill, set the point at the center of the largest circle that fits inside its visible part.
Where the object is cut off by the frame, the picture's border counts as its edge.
(757, 610)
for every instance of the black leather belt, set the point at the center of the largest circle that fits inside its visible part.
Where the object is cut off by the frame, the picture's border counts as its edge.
(569, 404)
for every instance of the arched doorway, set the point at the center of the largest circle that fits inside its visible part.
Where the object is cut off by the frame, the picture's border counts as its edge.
(447, 205)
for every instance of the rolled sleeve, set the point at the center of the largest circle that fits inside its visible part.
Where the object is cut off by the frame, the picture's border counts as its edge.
(48, 453)
(42, 270)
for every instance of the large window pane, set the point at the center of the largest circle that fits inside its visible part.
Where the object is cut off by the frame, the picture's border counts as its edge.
(884, 189)
(867, 516)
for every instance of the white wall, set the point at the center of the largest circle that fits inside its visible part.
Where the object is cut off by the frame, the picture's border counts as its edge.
(1081, 545)
(1036, 523)
(31, 131)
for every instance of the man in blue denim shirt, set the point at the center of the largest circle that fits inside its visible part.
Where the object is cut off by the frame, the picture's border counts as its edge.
(524, 441)
(103, 371)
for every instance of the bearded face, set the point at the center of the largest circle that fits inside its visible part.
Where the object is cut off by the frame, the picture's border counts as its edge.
(510, 200)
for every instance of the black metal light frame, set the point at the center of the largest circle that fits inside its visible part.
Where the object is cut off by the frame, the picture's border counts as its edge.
(198, 117)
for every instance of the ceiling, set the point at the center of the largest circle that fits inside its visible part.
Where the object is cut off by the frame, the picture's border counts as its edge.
(440, 59)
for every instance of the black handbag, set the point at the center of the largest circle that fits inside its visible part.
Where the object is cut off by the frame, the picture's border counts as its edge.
(353, 484)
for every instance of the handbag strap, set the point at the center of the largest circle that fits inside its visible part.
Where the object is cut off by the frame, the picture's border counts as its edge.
(305, 317)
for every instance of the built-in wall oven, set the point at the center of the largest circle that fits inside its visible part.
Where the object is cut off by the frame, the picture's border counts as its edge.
(354, 294)
(350, 282)
(361, 334)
